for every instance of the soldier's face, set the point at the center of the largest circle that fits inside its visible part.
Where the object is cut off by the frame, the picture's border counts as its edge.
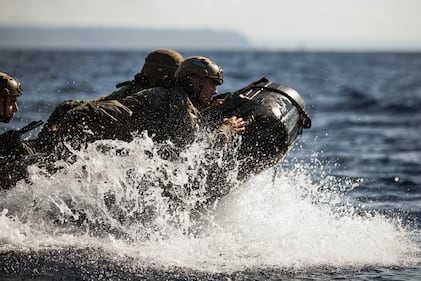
(208, 90)
(8, 112)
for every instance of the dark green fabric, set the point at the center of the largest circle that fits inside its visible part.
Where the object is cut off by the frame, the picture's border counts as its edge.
(167, 114)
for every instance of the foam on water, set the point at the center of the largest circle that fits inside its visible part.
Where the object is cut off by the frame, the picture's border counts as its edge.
(111, 198)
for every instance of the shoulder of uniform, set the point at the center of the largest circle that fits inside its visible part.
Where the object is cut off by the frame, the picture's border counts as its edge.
(125, 83)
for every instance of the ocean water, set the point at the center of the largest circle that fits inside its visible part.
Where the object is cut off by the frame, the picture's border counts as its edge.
(345, 204)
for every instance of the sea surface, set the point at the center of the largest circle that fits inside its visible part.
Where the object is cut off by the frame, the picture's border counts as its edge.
(344, 205)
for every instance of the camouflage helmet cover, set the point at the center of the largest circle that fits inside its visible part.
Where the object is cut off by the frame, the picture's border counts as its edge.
(9, 86)
(162, 62)
(201, 67)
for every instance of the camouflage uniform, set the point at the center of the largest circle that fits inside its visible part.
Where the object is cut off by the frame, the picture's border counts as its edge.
(12, 148)
(166, 113)
(103, 112)
(88, 122)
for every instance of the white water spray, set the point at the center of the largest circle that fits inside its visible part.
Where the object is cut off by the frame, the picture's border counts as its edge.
(115, 197)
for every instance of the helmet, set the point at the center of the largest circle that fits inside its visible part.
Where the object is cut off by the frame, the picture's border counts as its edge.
(9, 86)
(201, 67)
(161, 62)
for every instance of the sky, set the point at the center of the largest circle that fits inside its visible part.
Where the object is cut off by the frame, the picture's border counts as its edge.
(313, 24)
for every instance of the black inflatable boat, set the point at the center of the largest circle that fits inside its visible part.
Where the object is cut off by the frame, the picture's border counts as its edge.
(275, 116)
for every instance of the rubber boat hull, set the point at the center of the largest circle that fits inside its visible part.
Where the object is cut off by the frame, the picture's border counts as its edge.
(275, 116)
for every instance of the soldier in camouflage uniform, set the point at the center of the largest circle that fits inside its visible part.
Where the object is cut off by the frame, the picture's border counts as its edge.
(166, 113)
(11, 144)
(69, 120)
(12, 148)
(175, 113)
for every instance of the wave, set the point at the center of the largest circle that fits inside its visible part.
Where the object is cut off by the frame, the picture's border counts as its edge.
(111, 207)
(353, 100)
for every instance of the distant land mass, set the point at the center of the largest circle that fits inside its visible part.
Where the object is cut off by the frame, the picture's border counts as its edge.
(119, 38)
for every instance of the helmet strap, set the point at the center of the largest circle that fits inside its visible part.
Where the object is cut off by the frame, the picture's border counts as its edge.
(198, 101)
(3, 117)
